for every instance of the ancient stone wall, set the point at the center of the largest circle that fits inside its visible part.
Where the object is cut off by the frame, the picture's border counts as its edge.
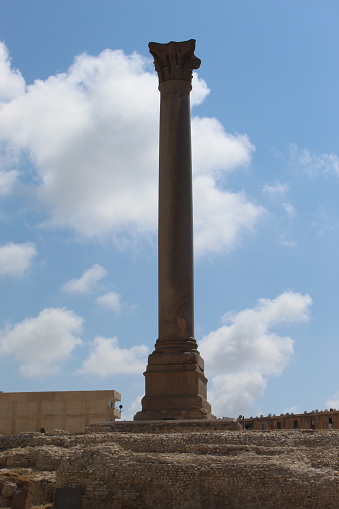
(200, 470)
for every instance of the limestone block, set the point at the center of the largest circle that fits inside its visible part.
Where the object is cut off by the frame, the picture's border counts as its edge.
(8, 489)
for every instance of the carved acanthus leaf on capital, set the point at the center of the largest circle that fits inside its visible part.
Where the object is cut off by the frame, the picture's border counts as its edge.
(174, 60)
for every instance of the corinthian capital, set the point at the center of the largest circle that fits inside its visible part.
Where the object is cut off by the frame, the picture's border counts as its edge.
(174, 60)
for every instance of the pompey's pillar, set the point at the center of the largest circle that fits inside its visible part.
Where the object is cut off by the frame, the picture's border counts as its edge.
(175, 385)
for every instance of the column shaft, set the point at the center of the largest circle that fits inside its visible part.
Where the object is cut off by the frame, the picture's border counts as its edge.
(176, 300)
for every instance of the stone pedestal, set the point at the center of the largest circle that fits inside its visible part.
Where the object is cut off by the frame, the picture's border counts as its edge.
(175, 386)
(175, 381)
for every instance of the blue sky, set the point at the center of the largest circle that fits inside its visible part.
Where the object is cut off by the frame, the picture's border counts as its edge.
(79, 114)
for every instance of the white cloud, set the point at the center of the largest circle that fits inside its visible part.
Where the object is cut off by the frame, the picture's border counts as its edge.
(200, 90)
(285, 242)
(289, 209)
(133, 408)
(87, 282)
(92, 135)
(220, 217)
(12, 83)
(274, 190)
(111, 300)
(15, 259)
(276, 194)
(235, 394)
(325, 164)
(249, 351)
(107, 358)
(41, 343)
(216, 150)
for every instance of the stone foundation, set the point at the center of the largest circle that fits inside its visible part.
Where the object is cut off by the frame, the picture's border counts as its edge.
(166, 426)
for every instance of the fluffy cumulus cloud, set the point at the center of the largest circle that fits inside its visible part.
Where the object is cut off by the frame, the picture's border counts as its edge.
(41, 343)
(92, 136)
(12, 83)
(111, 300)
(86, 283)
(15, 259)
(242, 353)
(220, 216)
(107, 358)
(235, 393)
(215, 150)
(322, 164)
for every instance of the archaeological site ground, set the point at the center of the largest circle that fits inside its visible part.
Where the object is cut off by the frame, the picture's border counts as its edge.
(167, 469)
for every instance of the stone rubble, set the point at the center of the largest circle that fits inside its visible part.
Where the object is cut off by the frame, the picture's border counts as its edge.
(292, 469)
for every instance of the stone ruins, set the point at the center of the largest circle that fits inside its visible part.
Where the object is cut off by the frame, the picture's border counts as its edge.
(163, 469)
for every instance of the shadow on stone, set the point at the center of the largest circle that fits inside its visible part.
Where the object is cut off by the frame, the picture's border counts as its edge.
(19, 499)
(67, 498)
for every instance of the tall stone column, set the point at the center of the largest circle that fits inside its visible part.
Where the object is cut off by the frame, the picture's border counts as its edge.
(175, 381)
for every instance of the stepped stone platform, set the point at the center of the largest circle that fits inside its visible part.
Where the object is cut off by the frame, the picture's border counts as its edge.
(165, 426)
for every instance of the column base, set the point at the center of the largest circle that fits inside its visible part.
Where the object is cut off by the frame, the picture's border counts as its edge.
(173, 415)
(176, 387)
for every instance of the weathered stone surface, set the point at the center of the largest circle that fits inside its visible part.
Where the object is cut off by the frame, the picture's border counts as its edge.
(167, 426)
(8, 489)
(167, 56)
(191, 470)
